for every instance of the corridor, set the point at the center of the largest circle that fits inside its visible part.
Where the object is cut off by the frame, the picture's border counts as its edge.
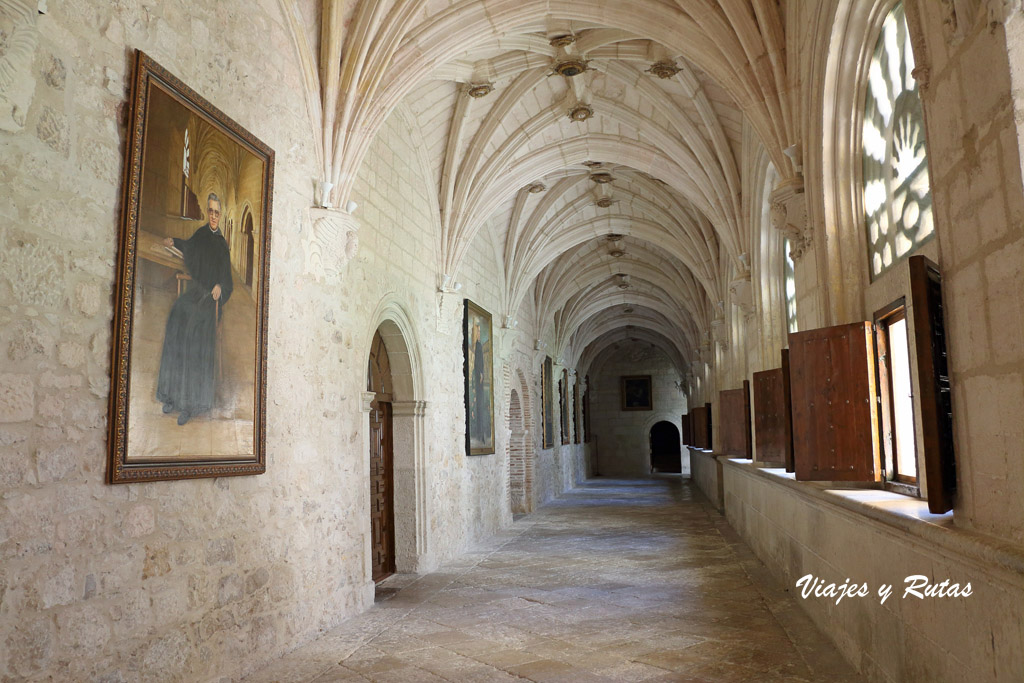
(617, 580)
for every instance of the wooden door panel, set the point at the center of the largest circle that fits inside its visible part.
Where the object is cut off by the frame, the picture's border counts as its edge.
(734, 420)
(835, 416)
(382, 516)
(687, 436)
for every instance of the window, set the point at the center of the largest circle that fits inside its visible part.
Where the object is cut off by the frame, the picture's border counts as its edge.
(789, 280)
(896, 401)
(897, 193)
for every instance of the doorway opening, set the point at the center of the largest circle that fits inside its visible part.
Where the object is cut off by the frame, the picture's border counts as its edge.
(666, 451)
(382, 468)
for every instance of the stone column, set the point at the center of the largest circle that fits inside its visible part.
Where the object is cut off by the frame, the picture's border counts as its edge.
(363, 485)
(412, 487)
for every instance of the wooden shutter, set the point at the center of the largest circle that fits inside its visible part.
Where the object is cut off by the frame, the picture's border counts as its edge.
(835, 414)
(734, 420)
(709, 431)
(773, 425)
(701, 438)
(933, 380)
(687, 436)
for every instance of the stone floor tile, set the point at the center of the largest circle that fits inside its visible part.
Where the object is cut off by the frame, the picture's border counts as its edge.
(617, 580)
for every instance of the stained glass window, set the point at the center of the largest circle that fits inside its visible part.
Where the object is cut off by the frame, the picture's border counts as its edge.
(897, 193)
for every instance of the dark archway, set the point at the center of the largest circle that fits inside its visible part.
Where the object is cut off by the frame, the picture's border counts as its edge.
(665, 448)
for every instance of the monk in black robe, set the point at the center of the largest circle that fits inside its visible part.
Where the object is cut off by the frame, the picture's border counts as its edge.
(188, 361)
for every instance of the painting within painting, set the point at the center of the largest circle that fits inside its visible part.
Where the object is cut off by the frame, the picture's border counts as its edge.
(548, 404)
(200, 224)
(636, 393)
(479, 368)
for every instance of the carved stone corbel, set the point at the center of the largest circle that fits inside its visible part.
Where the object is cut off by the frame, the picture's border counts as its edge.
(720, 333)
(17, 53)
(788, 213)
(742, 291)
(332, 242)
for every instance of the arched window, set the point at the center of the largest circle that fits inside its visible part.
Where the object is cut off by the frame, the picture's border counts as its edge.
(789, 286)
(897, 193)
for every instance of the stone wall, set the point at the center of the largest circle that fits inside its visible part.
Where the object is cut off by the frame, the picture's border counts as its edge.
(211, 578)
(624, 435)
(706, 472)
(878, 538)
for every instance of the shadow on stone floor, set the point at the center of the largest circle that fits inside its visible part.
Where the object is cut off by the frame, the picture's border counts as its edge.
(617, 580)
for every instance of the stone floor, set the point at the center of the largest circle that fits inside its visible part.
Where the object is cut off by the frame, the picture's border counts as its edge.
(618, 580)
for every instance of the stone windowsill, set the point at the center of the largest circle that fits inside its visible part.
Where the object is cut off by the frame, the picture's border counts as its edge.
(894, 511)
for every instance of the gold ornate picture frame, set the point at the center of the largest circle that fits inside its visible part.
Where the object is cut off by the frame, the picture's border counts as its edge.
(188, 385)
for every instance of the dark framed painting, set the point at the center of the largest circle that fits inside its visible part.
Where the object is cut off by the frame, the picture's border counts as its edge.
(636, 393)
(547, 404)
(188, 387)
(576, 411)
(563, 404)
(479, 376)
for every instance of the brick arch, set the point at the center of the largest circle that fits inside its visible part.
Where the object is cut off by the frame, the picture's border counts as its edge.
(520, 446)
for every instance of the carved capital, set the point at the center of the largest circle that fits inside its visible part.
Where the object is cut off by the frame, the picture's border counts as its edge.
(332, 242)
(742, 291)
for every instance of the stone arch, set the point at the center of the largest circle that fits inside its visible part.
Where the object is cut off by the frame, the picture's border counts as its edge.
(411, 475)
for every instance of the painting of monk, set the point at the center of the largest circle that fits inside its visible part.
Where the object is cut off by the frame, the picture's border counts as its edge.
(479, 370)
(190, 347)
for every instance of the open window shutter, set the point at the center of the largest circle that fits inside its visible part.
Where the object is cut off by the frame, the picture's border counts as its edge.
(709, 434)
(787, 401)
(701, 418)
(687, 437)
(772, 421)
(933, 380)
(734, 420)
(835, 415)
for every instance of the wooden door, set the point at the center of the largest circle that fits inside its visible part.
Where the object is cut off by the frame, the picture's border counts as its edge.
(835, 415)
(382, 506)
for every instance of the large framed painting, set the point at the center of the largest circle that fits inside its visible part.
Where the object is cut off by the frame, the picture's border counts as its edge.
(547, 404)
(563, 404)
(576, 411)
(479, 372)
(636, 393)
(188, 389)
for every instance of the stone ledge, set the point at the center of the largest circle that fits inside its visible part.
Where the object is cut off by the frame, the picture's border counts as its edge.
(876, 507)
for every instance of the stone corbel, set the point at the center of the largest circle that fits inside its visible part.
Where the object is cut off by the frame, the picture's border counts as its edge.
(788, 213)
(742, 291)
(720, 333)
(332, 242)
(705, 353)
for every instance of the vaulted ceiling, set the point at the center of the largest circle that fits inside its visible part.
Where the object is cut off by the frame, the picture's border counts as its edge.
(599, 144)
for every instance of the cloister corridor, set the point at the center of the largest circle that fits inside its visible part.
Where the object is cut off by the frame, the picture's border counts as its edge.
(616, 580)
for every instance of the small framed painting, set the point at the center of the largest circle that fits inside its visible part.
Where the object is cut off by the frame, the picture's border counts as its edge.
(479, 378)
(188, 385)
(636, 393)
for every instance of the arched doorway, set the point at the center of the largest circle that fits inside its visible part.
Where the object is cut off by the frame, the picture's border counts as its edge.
(516, 456)
(382, 468)
(665, 448)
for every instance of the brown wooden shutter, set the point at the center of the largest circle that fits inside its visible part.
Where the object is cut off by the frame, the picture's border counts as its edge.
(734, 420)
(710, 434)
(933, 380)
(687, 436)
(773, 426)
(701, 437)
(835, 414)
